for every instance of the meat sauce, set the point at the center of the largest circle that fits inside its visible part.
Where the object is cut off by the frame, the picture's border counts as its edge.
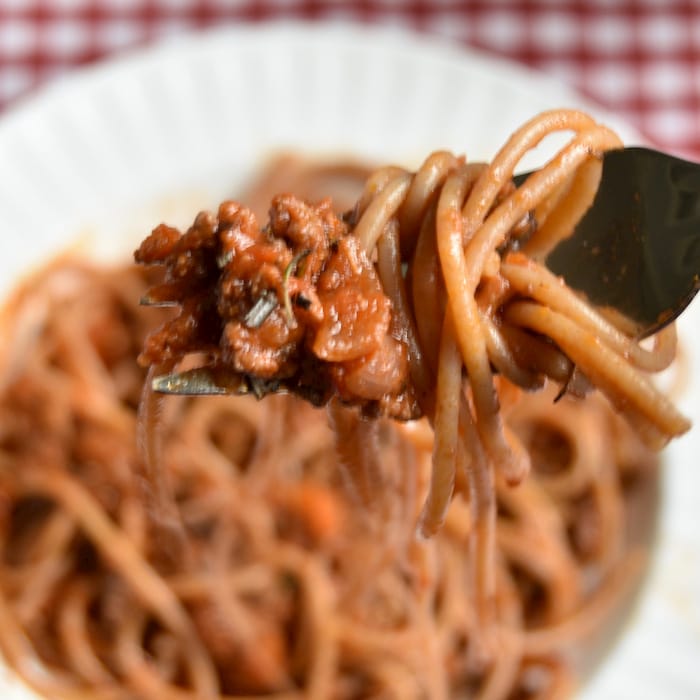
(296, 300)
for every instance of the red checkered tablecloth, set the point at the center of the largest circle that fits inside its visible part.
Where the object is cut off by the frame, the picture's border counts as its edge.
(639, 58)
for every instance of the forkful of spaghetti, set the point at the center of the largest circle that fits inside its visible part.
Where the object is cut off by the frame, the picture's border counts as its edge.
(428, 298)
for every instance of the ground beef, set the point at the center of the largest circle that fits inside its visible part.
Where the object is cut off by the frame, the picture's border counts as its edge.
(296, 301)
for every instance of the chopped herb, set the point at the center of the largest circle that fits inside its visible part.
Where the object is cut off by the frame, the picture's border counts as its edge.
(288, 272)
(263, 307)
(224, 259)
(302, 301)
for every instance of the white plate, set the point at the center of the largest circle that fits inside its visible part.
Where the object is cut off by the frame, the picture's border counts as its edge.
(100, 156)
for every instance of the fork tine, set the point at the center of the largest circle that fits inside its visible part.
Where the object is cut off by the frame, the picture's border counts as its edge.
(147, 300)
(202, 381)
(216, 381)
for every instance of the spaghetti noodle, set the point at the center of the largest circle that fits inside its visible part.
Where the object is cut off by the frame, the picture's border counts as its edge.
(275, 556)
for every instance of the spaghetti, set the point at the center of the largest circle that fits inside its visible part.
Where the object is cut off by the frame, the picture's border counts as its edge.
(275, 556)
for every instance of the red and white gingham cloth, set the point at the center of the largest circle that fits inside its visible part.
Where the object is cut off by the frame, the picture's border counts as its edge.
(639, 58)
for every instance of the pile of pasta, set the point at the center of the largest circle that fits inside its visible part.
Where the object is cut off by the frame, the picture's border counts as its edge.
(255, 549)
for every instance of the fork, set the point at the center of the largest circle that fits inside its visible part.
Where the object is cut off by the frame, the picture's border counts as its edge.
(637, 248)
(636, 251)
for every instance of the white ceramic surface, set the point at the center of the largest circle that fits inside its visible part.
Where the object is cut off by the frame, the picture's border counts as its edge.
(96, 159)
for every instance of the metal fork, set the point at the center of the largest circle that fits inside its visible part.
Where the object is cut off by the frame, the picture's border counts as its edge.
(637, 249)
